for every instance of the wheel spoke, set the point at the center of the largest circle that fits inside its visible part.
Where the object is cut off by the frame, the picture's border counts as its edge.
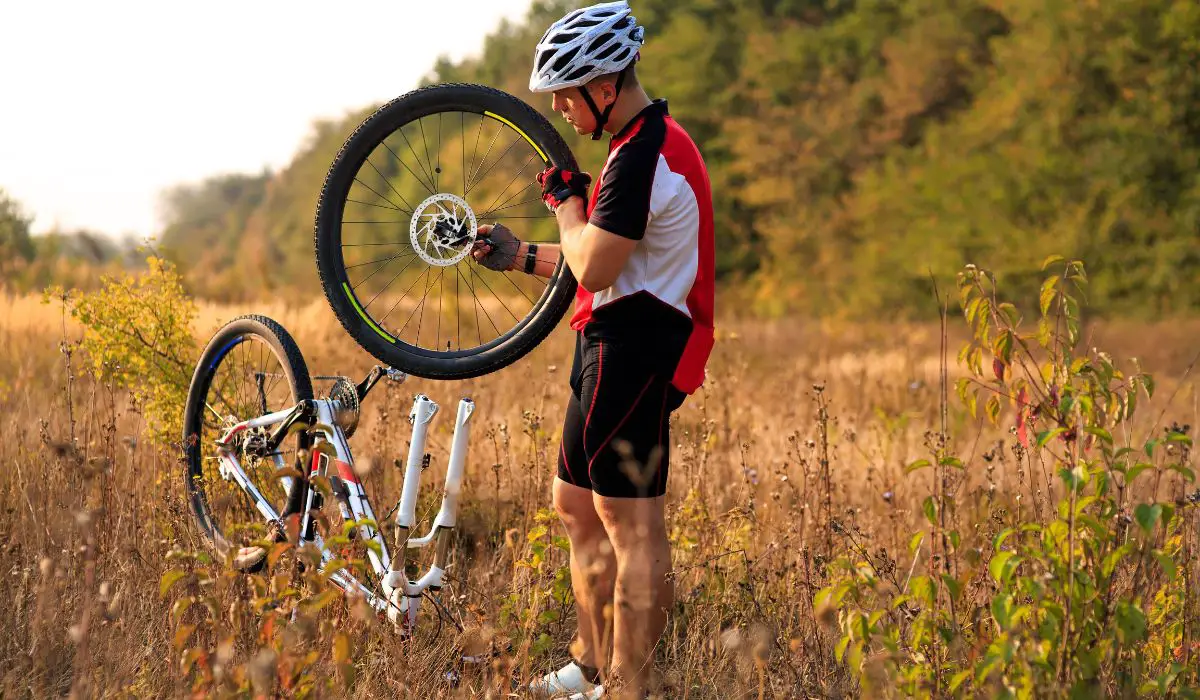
(489, 288)
(354, 287)
(393, 279)
(392, 187)
(511, 197)
(369, 262)
(498, 161)
(423, 275)
(416, 158)
(421, 306)
(510, 184)
(369, 204)
(519, 290)
(372, 189)
(428, 160)
(479, 165)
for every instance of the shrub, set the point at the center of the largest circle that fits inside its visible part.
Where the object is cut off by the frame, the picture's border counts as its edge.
(1085, 589)
(138, 335)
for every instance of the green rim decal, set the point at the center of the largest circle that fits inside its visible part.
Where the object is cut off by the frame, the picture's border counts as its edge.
(522, 133)
(365, 317)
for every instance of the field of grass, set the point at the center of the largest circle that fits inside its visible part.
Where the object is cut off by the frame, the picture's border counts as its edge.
(788, 477)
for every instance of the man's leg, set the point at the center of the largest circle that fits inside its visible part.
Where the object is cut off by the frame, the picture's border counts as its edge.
(642, 593)
(593, 569)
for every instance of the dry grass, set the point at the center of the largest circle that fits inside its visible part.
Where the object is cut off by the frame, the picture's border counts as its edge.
(90, 510)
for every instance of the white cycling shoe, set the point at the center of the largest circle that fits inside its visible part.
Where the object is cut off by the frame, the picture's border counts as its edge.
(566, 682)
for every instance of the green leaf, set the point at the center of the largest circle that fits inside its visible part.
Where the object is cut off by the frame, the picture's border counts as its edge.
(922, 589)
(992, 409)
(1047, 435)
(1002, 611)
(1113, 558)
(1002, 565)
(1050, 260)
(1133, 472)
(973, 309)
(1167, 563)
(1010, 312)
(548, 616)
(1045, 333)
(915, 542)
(951, 461)
(1073, 479)
(919, 464)
(1187, 474)
(930, 509)
(1149, 447)
(958, 679)
(953, 586)
(1147, 515)
(1047, 294)
(1001, 536)
(839, 651)
(1101, 433)
(1148, 385)
(1131, 623)
(168, 580)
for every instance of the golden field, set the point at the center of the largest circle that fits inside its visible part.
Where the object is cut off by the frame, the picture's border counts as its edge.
(93, 514)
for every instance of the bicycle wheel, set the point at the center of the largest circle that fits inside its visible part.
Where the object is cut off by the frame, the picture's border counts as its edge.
(251, 367)
(397, 219)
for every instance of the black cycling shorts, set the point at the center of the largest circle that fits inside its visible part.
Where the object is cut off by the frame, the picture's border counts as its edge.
(616, 434)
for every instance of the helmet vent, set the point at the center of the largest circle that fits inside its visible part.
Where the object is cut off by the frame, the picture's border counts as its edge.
(579, 72)
(600, 41)
(565, 59)
(563, 38)
(607, 51)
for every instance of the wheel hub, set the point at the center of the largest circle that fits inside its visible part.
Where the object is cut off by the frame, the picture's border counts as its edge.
(443, 229)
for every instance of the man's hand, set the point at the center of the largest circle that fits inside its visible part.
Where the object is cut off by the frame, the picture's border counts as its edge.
(559, 185)
(499, 252)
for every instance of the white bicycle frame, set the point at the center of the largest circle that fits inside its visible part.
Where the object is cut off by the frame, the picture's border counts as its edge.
(331, 458)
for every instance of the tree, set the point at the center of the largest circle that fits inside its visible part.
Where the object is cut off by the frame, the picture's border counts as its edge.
(15, 243)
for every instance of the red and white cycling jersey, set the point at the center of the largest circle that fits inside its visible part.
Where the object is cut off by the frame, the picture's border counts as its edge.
(654, 188)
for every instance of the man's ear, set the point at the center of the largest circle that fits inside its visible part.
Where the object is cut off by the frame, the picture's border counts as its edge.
(608, 91)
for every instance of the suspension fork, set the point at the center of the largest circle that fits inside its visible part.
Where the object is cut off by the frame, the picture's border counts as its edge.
(405, 593)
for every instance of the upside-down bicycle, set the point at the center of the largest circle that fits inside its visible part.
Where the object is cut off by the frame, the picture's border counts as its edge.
(251, 414)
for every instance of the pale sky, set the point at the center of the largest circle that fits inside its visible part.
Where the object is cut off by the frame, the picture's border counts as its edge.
(103, 105)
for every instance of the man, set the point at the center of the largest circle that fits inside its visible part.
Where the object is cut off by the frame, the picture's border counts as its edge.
(642, 251)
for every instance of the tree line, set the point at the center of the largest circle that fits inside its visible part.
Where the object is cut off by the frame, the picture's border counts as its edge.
(858, 149)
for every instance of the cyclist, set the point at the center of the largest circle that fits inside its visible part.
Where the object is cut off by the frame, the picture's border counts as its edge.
(641, 248)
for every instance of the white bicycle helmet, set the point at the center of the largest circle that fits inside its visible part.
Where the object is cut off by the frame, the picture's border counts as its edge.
(585, 44)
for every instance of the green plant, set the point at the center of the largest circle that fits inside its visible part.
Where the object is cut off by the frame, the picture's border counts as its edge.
(138, 334)
(1093, 594)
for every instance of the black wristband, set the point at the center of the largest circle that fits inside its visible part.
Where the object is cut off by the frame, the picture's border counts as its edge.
(530, 258)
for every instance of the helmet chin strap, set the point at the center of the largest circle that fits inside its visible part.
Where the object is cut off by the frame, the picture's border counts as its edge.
(601, 117)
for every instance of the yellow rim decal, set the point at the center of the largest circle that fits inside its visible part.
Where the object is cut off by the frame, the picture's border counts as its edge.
(522, 133)
(365, 317)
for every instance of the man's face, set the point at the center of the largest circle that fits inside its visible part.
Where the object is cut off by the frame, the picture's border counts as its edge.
(571, 105)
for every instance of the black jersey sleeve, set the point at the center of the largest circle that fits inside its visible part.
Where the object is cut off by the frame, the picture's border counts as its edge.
(623, 200)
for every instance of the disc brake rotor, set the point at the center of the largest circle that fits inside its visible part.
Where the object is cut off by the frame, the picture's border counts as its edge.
(443, 229)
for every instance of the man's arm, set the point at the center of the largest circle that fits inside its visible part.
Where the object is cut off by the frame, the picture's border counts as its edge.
(595, 256)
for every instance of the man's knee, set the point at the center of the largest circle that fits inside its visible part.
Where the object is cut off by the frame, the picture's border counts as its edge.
(633, 524)
(574, 507)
